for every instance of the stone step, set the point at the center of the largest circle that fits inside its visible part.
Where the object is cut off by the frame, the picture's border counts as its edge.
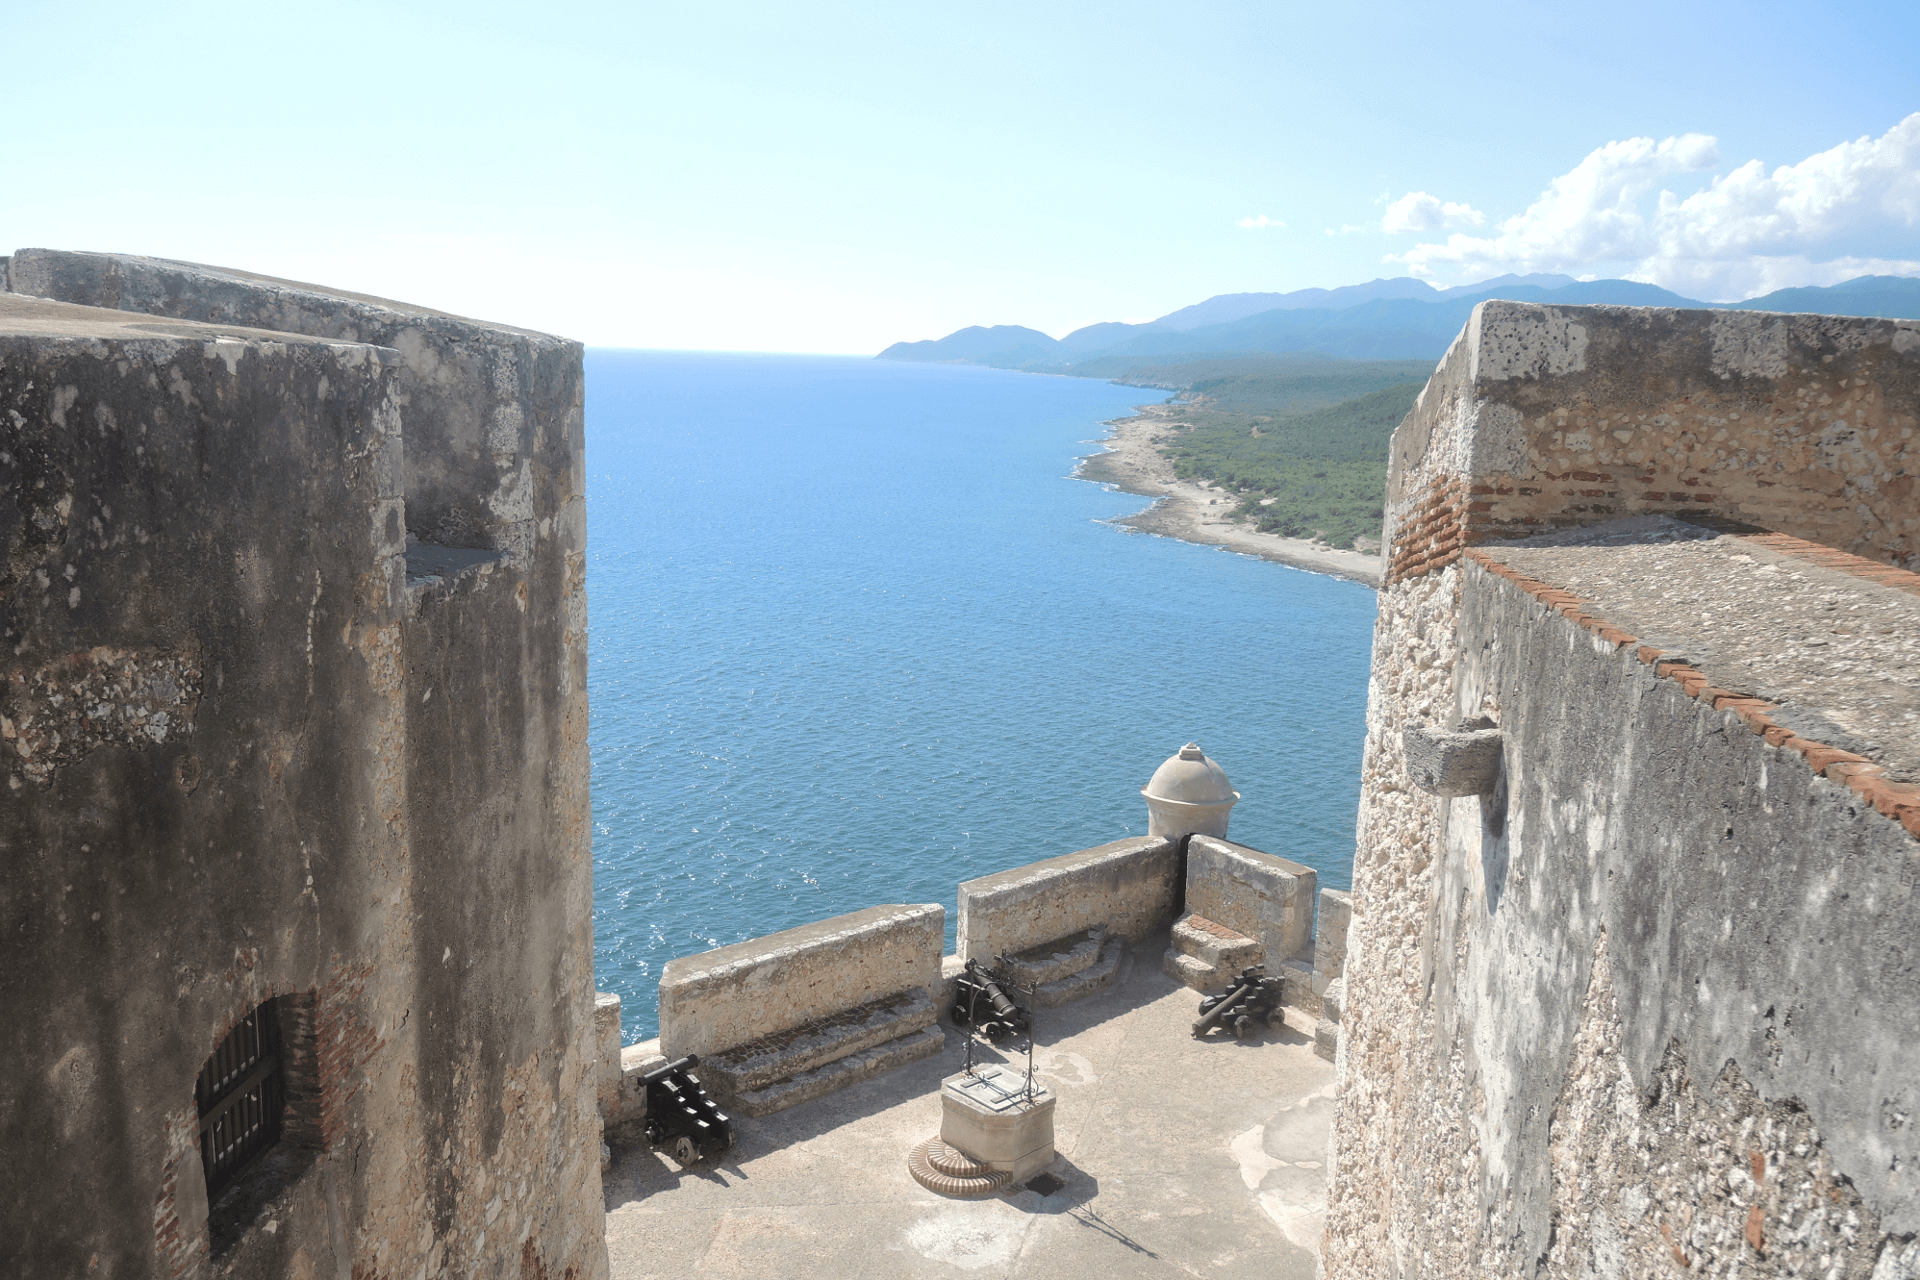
(1056, 960)
(954, 1162)
(770, 1059)
(925, 1162)
(1326, 1038)
(855, 1067)
(1192, 972)
(1095, 977)
(1216, 945)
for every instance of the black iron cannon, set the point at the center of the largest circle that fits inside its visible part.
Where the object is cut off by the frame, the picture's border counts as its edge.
(1250, 1000)
(980, 1002)
(680, 1115)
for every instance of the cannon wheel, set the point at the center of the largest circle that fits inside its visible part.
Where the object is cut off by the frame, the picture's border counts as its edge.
(1277, 1018)
(684, 1150)
(1242, 1027)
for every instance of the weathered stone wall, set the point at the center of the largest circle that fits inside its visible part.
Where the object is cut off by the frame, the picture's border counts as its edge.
(1648, 1008)
(745, 992)
(1261, 895)
(288, 748)
(1133, 887)
(1547, 416)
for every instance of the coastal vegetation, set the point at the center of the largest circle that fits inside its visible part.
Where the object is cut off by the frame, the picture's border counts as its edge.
(1303, 444)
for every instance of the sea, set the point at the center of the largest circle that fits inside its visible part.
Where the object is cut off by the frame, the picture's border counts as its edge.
(858, 634)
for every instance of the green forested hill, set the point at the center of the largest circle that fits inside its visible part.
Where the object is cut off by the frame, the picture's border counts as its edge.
(1321, 470)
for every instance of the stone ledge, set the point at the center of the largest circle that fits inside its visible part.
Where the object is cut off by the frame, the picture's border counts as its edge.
(840, 1073)
(1096, 977)
(1052, 961)
(764, 1063)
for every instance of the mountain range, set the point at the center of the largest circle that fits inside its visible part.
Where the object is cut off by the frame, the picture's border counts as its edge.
(1389, 319)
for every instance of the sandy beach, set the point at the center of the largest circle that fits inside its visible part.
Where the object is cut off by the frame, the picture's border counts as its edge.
(1197, 512)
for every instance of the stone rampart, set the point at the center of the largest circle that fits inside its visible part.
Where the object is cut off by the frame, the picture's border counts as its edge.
(251, 741)
(1132, 887)
(729, 997)
(1638, 1005)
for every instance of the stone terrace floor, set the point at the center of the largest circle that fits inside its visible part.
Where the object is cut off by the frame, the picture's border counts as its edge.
(1179, 1158)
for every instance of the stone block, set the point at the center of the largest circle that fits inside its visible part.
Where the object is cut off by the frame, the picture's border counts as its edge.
(987, 1115)
(1267, 898)
(1462, 763)
(1330, 931)
(606, 1039)
(1326, 1038)
(737, 994)
(1130, 886)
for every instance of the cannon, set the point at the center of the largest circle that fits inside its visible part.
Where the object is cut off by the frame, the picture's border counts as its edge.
(1248, 1001)
(981, 1003)
(680, 1115)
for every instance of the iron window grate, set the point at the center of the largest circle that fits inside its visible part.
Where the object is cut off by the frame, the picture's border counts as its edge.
(240, 1094)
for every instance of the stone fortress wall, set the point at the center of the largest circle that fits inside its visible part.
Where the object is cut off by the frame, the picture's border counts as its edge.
(1635, 993)
(292, 708)
(778, 1020)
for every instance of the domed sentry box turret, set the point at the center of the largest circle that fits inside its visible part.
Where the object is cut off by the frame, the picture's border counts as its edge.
(1189, 795)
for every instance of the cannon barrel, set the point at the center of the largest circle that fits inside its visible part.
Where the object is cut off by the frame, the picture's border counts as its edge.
(991, 989)
(1225, 1006)
(658, 1074)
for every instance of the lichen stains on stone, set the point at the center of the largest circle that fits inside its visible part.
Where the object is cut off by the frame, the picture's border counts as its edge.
(51, 717)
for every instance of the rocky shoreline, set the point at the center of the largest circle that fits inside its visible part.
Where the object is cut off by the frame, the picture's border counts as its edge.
(1194, 511)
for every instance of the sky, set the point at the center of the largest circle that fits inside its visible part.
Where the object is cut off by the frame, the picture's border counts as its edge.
(835, 178)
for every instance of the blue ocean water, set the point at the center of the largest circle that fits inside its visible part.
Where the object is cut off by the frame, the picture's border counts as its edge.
(857, 635)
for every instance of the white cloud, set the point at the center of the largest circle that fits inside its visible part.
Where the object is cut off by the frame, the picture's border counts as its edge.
(1262, 221)
(1851, 210)
(1418, 211)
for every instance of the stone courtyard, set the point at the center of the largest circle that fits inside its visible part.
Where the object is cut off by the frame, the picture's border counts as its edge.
(1176, 1157)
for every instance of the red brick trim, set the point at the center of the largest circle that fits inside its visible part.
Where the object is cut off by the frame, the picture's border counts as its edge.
(1429, 537)
(1843, 562)
(1899, 801)
(345, 1044)
(1217, 930)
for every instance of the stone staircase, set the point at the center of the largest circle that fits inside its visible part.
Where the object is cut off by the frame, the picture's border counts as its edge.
(780, 1071)
(1067, 969)
(1206, 955)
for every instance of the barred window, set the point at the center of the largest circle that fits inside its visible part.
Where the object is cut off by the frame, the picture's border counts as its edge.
(242, 1093)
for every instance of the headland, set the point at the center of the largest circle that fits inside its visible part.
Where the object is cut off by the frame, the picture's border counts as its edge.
(1196, 511)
